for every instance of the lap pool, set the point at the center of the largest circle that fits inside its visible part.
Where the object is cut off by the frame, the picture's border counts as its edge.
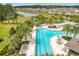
(43, 37)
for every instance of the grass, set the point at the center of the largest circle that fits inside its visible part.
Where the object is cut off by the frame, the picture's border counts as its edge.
(5, 27)
(4, 33)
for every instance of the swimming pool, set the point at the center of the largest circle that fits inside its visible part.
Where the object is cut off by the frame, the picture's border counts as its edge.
(43, 37)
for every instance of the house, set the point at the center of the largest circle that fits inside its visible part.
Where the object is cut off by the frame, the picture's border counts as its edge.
(73, 46)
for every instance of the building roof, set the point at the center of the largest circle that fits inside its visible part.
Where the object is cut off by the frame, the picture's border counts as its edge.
(73, 45)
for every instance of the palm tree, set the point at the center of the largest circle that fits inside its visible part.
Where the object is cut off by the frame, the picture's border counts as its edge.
(71, 29)
(76, 30)
(66, 29)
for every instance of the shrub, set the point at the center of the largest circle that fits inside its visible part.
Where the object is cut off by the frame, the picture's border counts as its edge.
(1, 39)
(3, 51)
(66, 38)
(25, 42)
(12, 31)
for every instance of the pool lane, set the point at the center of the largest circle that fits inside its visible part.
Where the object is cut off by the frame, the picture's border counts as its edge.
(42, 42)
(40, 47)
(47, 41)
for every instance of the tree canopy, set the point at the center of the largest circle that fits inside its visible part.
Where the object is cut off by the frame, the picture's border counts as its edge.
(7, 12)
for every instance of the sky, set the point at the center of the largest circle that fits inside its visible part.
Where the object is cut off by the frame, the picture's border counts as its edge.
(66, 4)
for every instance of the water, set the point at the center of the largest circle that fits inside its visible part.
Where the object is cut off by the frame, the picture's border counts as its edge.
(43, 37)
(27, 14)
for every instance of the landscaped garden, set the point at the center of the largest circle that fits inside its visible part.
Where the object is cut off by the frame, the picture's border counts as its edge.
(7, 22)
(14, 27)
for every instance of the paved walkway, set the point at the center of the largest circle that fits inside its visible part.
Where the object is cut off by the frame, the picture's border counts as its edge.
(31, 46)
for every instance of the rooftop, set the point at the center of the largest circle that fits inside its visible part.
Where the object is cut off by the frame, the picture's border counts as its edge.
(73, 45)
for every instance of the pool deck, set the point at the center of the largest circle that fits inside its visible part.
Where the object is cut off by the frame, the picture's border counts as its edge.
(31, 47)
(57, 48)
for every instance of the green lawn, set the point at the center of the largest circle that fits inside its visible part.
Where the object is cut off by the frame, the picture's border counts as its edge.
(4, 30)
(4, 33)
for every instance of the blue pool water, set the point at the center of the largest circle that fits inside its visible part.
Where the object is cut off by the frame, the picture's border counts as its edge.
(43, 37)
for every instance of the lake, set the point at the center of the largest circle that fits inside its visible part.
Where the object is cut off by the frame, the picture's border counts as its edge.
(27, 14)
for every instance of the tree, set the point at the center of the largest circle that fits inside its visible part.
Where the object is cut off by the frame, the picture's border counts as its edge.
(12, 31)
(21, 31)
(1, 39)
(75, 30)
(71, 29)
(66, 29)
(7, 12)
